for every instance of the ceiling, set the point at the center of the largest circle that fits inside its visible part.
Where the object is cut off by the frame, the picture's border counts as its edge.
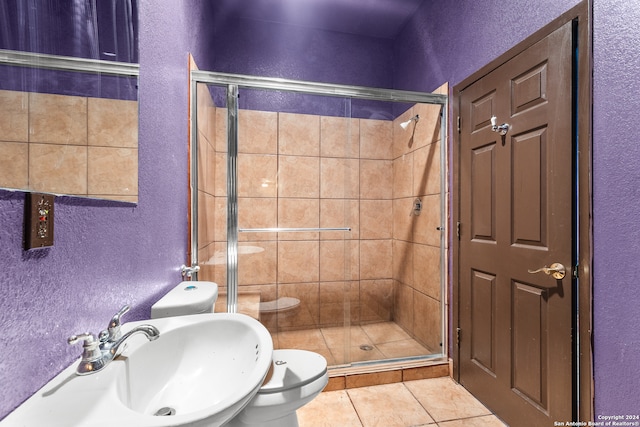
(372, 18)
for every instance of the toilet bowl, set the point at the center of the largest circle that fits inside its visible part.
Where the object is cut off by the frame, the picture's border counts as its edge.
(296, 378)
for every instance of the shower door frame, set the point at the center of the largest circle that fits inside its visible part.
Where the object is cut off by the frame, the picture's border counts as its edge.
(234, 82)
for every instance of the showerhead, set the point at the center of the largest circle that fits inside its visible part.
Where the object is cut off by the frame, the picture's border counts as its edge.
(415, 118)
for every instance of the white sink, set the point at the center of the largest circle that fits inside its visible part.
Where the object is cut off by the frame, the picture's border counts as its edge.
(203, 369)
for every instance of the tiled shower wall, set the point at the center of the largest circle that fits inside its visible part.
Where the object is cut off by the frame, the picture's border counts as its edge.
(69, 145)
(306, 171)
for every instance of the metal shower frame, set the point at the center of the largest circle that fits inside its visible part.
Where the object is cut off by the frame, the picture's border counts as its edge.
(233, 82)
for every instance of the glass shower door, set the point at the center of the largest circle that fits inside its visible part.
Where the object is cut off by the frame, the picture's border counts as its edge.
(322, 217)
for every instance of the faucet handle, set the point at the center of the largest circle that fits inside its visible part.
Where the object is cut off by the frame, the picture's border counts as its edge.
(92, 358)
(113, 330)
(90, 346)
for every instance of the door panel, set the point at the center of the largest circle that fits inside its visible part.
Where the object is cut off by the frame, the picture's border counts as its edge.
(516, 215)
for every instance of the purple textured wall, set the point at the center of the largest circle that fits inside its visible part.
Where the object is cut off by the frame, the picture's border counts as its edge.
(275, 50)
(616, 182)
(448, 41)
(106, 254)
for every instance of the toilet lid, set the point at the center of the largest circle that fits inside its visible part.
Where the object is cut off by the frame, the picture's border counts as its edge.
(294, 368)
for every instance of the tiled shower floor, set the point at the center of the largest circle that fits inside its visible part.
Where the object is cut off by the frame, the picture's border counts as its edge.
(375, 341)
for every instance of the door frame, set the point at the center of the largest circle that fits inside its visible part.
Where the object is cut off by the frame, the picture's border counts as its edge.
(583, 340)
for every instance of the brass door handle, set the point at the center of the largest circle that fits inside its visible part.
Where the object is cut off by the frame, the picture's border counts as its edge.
(556, 270)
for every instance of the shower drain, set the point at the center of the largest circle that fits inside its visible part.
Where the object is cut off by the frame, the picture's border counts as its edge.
(366, 347)
(165, 412)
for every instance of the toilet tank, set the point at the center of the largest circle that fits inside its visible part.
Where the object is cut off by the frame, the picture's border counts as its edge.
(187, 298)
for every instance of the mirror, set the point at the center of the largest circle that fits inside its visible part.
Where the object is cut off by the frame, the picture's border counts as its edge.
(69, 97)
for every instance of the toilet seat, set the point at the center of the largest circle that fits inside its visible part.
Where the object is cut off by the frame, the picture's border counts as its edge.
(293, 368)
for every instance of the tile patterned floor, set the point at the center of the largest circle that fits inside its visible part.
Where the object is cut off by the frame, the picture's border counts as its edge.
(433, 402)
(374, 341)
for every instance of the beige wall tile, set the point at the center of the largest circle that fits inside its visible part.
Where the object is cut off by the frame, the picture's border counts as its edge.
(335, 299)
(339, 137)
(218, 259)
(332, 260)
(376, 219)
(335, 213)
(220, 171)
(403, 306)
(428, 127)
(14, 164)
(298, 134)
(58, 168)
(376, 301)
(210, 133)
(427, 321)
(257, 212)
(112, 171)
(221, 130)
(209, 182)
(339, 178)
(426, 267)
(403, 220)
(376, 139)
(257, 263)
(204, 104)
(298, 261)
(426, 170)
(376, 179)
(112, 122)
(206, 219)
(403, 262)
(57, 119)
(204, 163)
(403, 176)
(376, 259)
(299, 177)
(306, 315)
(425, 225)
(257, 132)
(298, 213)
(220, 219)
(14, 116)
(257, 175)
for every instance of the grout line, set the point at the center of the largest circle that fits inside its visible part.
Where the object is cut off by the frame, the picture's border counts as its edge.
(354, 407)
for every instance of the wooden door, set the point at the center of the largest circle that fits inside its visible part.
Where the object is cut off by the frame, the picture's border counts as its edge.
(516, 215)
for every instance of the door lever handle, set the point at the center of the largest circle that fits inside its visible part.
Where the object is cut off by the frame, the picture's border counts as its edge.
(501, 129)
(556, 270)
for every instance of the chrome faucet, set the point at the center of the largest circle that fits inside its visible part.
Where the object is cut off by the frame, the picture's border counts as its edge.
(98, 353)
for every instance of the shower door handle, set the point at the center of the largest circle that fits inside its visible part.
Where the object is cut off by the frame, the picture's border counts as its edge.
(556, 270)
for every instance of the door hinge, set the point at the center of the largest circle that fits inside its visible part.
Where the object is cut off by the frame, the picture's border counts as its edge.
(458, 230)
(459, 124)
(458, 333)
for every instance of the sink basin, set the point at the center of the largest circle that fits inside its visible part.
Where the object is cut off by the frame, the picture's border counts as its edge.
(201, 371)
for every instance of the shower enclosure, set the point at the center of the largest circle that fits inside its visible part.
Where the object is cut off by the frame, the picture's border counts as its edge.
(318, 214)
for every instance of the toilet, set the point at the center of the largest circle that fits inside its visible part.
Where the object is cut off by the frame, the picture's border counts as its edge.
(193, 297)
(295, 378)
